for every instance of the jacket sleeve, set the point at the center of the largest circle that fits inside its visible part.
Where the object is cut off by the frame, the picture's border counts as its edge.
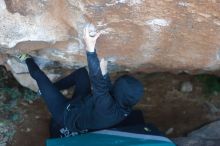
(101, 84)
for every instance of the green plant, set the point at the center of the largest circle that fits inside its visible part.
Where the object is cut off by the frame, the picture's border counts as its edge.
(13, 93)
(3, 75)
(29, 95)
(211, 84)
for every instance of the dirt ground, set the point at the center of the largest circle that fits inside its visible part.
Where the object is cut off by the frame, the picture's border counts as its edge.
(169, 108)
(174, 112)
(34, 129)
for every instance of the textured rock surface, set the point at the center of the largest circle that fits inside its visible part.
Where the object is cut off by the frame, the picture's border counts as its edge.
(145, 35)
(208, 135)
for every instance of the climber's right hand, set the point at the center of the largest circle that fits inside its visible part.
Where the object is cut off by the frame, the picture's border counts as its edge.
(90, 39)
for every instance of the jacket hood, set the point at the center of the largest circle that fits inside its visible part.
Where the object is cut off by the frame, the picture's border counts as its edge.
(127, 91)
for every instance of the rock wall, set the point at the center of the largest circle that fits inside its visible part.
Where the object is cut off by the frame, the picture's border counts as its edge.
(140, 35)
(208, 135)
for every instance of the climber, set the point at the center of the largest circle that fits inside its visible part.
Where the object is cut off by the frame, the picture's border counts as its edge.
(102, 107)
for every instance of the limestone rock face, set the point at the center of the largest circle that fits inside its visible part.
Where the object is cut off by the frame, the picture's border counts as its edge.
(143, 35)
(208, 135)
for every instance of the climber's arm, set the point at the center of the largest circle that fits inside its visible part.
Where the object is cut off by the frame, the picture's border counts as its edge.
(97, 70)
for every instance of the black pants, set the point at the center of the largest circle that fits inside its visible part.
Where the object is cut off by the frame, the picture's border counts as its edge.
(54, 99)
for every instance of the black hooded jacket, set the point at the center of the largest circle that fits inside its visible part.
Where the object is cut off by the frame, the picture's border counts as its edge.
(108, 105)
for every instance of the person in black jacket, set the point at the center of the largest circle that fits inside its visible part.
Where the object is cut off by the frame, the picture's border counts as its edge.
(103, 106)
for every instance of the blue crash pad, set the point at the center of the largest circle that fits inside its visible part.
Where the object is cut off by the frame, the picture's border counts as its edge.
(111, 138)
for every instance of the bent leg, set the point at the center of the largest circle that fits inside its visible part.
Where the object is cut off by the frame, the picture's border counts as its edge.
(70, 80)
(66, 82)
(80, 79)
(55, 101)
(82, 83)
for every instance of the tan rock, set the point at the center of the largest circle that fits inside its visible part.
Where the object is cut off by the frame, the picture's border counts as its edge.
(140, 35)
(26, 80)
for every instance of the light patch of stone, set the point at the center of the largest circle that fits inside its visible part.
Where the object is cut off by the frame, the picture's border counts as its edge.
(110, 4)
(75, 48)
(101, 24)
(218, 55)
(77, 4)
(212, 107)
(205, 15)
(149, 48)
(2, 5)
(43, 62)
(217, 22)
(157, 24)
(17, 67)
(59, 54)
(183, 4)
(107, 30)
(186, 87)
(169, 131)
(81, 44)
(111, 59)
(128, 2)
(136, 2)
(214, 63)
